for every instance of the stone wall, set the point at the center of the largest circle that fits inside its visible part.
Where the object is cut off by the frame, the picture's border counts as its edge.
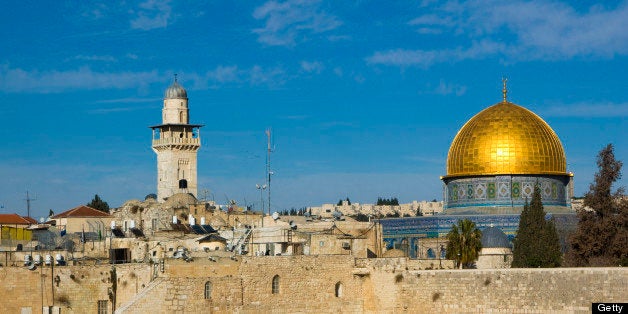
(74, 289)
(311, 284)
(562, 290)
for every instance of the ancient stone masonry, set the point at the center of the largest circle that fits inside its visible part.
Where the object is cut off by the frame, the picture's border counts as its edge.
(309, 284)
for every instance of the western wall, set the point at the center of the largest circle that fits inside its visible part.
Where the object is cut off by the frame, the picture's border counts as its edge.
(308, 284)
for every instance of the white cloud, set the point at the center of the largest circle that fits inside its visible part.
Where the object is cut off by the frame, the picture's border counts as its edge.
(515, 31)
(153, 14)
(587, 110)
(426, 58)
(19, 80)
(266, 76)
(314, 66)
(224, 74)
(104, 58)
(289, 20)
(445, 88)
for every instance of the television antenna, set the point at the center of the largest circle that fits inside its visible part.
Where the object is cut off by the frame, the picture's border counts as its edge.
(269, 173)
(28, 204)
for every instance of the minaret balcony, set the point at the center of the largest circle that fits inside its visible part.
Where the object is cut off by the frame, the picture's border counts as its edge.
(174, 141)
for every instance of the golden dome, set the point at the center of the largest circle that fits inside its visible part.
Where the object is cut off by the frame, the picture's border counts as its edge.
(505, 139)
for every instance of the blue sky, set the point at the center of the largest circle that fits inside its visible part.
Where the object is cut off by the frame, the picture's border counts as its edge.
(364, 97)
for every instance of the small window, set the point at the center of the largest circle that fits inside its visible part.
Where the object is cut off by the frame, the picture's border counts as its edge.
(338, 290)
(102, 307)
(208, 290)
(276, 284)
(183, 184)
(322, 243)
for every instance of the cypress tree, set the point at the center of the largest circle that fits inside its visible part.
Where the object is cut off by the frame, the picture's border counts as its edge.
(600, 239)
(98, 203)
(536, 243)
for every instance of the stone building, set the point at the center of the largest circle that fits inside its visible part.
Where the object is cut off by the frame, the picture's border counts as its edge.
(176, 143)
(82, 219)
(496, 250)
(414, 208)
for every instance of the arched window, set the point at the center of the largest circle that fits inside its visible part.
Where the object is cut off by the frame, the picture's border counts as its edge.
(208, 290)
(430, 253)
(183, 184)
(338, 290)
(276, 284)
(181, 116)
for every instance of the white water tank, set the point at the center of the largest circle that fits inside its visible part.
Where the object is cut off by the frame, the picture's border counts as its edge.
(113, 224)
(132, 224)
(192, 220)
(202, 220)
(174, 219)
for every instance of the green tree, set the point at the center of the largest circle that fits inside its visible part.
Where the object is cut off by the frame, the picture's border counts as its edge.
(536, 243)
(464, 243)
(600, 239)
(98, 203)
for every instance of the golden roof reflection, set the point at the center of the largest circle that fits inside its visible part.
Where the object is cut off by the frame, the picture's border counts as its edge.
(506, 139)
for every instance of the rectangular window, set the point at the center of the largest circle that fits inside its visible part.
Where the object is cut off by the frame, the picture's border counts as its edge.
(102, 306)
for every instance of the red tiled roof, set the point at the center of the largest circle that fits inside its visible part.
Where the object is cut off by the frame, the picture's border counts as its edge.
(14, 219)
(81, 211)
(30, 219)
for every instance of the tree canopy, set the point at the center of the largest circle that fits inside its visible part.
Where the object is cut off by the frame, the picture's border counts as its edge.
(464, 243)
(536, 243)
(98, 203)
(601, 238)
(387, 201)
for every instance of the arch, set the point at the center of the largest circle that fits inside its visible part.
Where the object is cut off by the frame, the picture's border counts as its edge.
(180, 116)
(338, 290)
(183, 184)
(275, 287)
(208, 290)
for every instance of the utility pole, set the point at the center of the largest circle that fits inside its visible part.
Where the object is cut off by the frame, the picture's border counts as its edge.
(268, 171)
(28, 204)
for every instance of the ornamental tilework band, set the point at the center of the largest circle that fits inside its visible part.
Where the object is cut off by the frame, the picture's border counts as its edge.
(504, 191)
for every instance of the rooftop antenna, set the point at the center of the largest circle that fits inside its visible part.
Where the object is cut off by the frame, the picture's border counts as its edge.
(28, 204)
(205, 192)
(268, 171)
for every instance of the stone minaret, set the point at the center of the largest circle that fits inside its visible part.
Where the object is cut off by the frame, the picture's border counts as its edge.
(176, 143)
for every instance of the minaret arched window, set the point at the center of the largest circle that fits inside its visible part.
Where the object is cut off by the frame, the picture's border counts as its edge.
(208, 290)
(275, 287)
(338, 290)
(180, 116)
(183, 184)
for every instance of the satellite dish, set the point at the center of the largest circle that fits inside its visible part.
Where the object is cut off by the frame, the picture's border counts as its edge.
(337, 215)
(293, 226)
(177, 254)
(275, 215)
(32, 266)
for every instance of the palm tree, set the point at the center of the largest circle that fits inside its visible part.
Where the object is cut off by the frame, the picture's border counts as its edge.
(464, 243)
